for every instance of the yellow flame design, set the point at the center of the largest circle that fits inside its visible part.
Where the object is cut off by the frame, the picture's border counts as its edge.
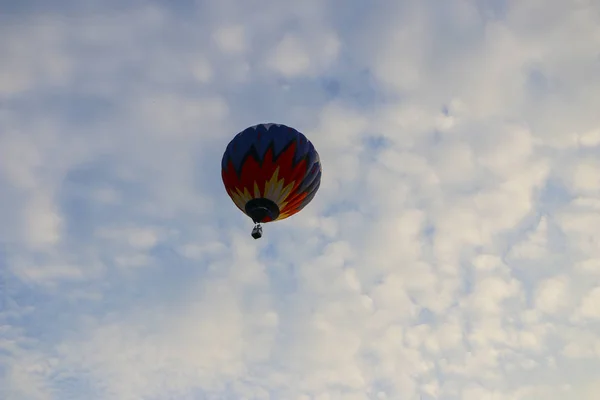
(275, 190)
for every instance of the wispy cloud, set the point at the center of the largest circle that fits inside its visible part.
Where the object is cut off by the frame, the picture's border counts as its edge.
(452, 251)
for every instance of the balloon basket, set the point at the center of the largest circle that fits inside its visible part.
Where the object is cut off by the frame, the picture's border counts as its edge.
(257, 231)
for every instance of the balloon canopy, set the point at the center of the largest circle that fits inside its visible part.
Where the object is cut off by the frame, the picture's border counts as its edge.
(271, 172)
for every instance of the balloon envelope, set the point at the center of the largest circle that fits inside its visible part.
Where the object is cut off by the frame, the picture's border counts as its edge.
(271, 171)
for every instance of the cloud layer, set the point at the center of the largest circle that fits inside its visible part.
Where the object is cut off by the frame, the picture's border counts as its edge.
(452, 251)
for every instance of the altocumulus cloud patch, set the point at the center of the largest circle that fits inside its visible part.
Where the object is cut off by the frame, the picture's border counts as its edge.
(451, 252)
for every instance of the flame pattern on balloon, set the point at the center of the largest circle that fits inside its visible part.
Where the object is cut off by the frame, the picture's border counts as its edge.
(275, 162)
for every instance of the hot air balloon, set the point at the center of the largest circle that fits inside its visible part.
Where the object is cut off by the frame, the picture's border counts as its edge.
(271, 172)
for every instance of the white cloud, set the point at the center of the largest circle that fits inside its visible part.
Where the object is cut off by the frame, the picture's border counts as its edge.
(231, 39)
(296, 56)
(585, 178)
(589, 305)
(139, 238)
(43, 222)
(202, 71)
(34, 55)
(535, 245)
(552, 295)
(451, 252)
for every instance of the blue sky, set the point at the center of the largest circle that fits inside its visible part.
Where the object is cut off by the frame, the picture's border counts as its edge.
(452, 251)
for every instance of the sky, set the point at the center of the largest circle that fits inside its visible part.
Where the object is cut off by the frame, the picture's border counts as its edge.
(452, 251)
